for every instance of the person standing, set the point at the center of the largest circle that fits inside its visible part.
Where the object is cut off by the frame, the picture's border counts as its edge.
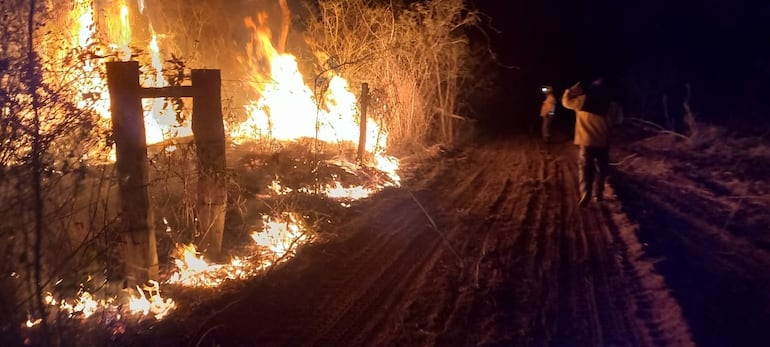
(594, 112)
(547, 112)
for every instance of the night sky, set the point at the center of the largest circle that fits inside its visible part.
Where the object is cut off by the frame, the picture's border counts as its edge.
(721, 48)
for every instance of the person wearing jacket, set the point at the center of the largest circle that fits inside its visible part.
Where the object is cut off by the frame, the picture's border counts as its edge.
(547, 112)
(594, 112)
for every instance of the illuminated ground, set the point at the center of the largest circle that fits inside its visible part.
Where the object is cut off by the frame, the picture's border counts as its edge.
(502, 256)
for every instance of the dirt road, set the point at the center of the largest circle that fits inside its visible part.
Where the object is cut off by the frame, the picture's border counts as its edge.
(482, 247)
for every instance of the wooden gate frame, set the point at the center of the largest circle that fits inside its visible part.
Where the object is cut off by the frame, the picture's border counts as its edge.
(140, 254)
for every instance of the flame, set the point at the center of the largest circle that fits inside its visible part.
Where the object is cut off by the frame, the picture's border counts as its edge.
(389, 165)
(31, 323)
(287, 107)
(194, 271)
(277, 188)
(281, 235)
(83, 13)
(86, 305)
(124, 40)
(154, 304)
(352, 193)
(160, 119)
(93, 84)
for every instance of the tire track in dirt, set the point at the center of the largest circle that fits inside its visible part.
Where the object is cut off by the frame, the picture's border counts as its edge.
(534, 269)
(719, 279)
(348, 330)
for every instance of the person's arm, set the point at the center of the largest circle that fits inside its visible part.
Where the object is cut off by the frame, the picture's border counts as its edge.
(573, 98)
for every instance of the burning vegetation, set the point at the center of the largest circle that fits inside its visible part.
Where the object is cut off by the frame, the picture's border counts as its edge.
(311, 121)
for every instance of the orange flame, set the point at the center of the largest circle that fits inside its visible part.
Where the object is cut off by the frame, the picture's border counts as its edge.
(287, 107)
(124, 51)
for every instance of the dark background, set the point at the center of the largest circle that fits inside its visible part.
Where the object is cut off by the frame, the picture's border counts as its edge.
(647, 48)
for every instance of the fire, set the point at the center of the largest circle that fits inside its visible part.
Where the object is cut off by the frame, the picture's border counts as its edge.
(388, 165)
(194, 271)
(31, 323)
(160, 117)
(84, 29)
(351, 193)
(124, 51)
(287, 107)
(276, 187)
(281, 235)
(154, 305)
(85, 305)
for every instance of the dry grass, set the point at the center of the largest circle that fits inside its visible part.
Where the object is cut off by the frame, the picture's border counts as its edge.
(416, 59)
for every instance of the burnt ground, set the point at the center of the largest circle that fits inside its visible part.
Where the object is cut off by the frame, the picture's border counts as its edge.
(486, 246)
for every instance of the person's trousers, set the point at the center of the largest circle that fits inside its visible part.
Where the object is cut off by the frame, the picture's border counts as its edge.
(546, 127)
(594, 163)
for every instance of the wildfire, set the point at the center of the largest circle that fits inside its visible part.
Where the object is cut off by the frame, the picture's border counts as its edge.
(85, 305)
(276, 187)
(154, 305)
(279, 236)
(160, 117)
(124, 38)
(194, 271)
(287, 109)
(351, 193)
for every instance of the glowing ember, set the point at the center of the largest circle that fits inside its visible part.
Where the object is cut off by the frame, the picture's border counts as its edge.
(31, 323)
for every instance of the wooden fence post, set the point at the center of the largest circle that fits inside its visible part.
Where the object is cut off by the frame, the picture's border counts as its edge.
(209, 134)
(140, 255)
(364, 101)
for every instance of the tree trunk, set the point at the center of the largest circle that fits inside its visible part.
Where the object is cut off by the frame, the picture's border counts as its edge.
(285, 25)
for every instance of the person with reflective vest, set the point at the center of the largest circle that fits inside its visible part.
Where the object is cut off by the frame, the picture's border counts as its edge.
(595, 112)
